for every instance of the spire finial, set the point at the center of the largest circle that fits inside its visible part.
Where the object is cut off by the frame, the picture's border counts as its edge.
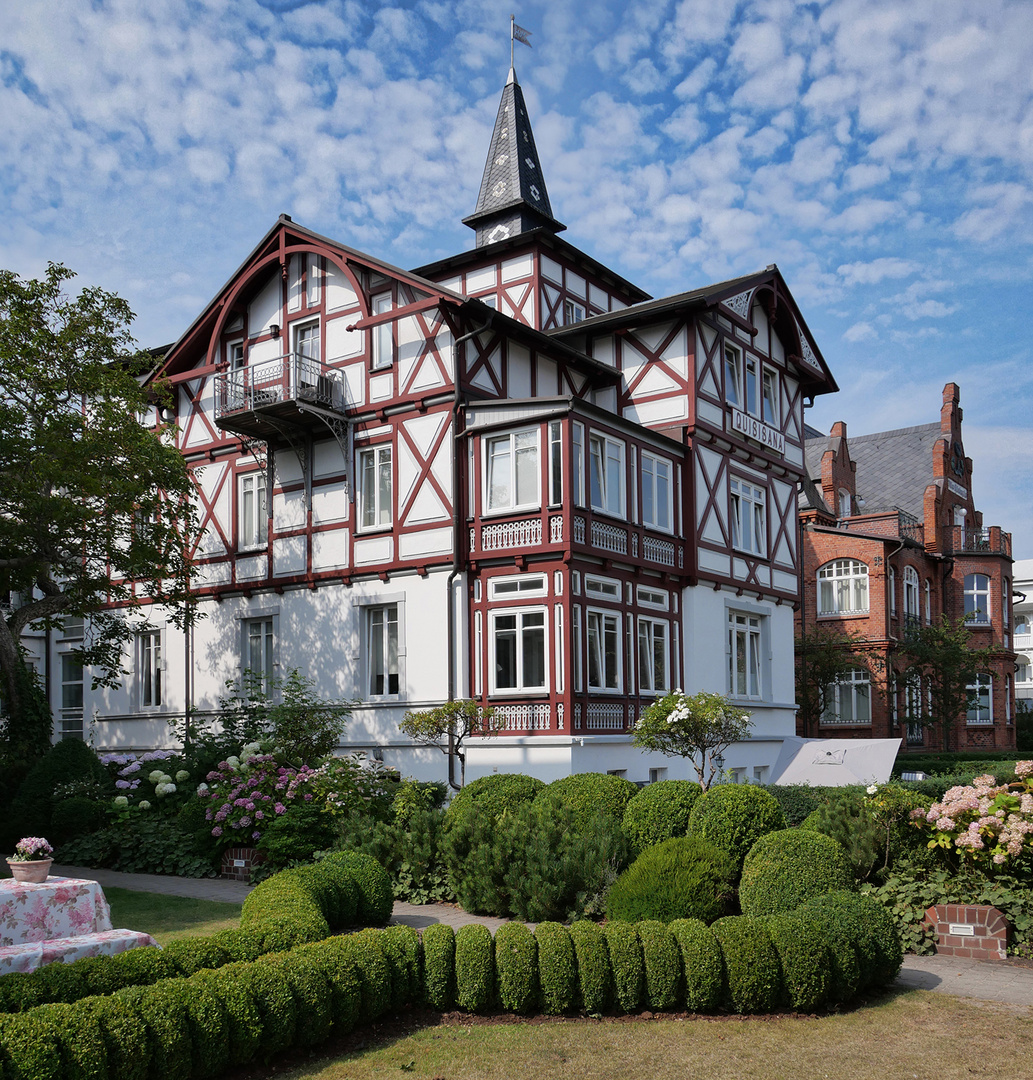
(516, 33)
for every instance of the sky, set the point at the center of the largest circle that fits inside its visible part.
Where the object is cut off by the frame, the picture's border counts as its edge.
(879, 151)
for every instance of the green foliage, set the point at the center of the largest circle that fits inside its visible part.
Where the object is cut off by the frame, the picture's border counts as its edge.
(805, 958)
(163, 1009)
(908, 893)
(243, 1021)
(145, 845)
(799, 800)
(208, 1022)
(491, 796)
(401, 946)
(683, 878)
(188, 955)
(823, 657)
(439, 964)
(516, 967)
(125, 1037)
(659, 812)
(366, 952)
(785, 868)
(376, 897)
(533, 862)
(285, 910)
(590, 796)
(702, 964)
(663, 965)
(270, 991)
(74, 817)
(412, 796)
(310, 989)
(754, 977)
(68, 762)
(699, 727)
(82, 532)
(30, 1048)
(336, 957)
(627, 965)
(594, 973)
(475, 968)
(448, 727)
(734, 817)
(557, 967)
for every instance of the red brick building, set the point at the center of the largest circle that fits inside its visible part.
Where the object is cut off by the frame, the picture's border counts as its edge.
(890, 540)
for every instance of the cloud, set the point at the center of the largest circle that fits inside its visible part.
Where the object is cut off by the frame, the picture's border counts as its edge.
(861, 331)
(871, 273)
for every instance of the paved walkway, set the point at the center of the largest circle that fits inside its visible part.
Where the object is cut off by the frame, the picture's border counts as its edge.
(985, 980)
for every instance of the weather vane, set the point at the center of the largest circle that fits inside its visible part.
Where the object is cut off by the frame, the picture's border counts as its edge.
(517, 33)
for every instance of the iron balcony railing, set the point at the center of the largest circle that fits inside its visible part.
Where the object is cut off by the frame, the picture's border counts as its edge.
(961, 539)
(286, 379)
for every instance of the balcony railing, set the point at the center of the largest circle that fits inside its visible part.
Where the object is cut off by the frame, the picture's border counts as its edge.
(289, 379)
(960, 539)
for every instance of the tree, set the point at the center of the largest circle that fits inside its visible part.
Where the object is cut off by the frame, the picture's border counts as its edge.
(95, 510)
(941, 655)
(823, 657)
(455, 721)
(700, 728)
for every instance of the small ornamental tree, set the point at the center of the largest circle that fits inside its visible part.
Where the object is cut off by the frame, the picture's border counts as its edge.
(700, 728)
(823, 658)
(454, 722)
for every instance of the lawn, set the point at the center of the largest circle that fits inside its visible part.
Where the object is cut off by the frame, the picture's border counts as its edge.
(912, 1035)
(166, 918)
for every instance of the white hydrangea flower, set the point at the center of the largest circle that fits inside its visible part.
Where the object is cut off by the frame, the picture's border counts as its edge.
(155, 777)
(202, 789)
(872, 789)
(121, 802)
(144, 804)
(182, 775)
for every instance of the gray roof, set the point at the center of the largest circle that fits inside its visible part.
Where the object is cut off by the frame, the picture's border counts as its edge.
(513, 189)
(893, 467)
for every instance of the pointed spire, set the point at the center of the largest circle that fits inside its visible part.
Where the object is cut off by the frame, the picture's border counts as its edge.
(513, 198)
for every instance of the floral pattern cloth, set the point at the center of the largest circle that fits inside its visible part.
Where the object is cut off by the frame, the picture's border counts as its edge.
(34, 954)
(56, 908)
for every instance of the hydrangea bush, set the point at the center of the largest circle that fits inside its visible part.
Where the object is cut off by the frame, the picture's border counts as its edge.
(142, 789)
(986, 823)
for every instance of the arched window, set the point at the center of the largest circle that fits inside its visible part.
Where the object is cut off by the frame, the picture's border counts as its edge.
(981, 701)
(977, 598)
(910, 593)
(843, 588)
(845, 503)
(1021, 625)
(1023, 669)
(928, 602)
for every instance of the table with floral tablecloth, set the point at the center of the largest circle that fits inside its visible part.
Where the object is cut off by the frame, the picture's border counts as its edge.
(55, 908)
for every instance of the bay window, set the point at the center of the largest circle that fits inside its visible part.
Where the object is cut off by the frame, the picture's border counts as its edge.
(606, 474)
(843, 588)
(511, 471)
(656, 492)
(518, 650)
(604, 650)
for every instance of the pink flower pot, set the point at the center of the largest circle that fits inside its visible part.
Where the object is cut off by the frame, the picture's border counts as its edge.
(34, 872)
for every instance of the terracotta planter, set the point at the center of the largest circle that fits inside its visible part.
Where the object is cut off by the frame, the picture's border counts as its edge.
(35, 871)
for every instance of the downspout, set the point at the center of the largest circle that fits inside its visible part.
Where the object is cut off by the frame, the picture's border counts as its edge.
(457, 524)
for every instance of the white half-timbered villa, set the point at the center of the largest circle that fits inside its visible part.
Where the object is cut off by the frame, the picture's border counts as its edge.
(508, 475)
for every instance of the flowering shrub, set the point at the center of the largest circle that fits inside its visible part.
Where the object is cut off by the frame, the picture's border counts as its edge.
(136, 787)
(31, 848)
(984, 822)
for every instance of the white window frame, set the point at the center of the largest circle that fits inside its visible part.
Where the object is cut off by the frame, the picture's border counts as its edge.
(72, 699)
(750, 628)
(606, 452)
(843, 588)
(650, 466)
(848, 692)
(733, 376)
(377, 621)
(521, 630)
(260, 631)
(599, 625)
(603, 588)
(302, 331)
(975, 614)
(892, 580)
(577, 464)
(488, 464)
(381, 457)
(237, 360)
(649, 597)
(770, 413)
(981, 714)
(518, 586)
(748, 503)
(573, 312)
(575, 647)
(648, 626)
(150, 659)
(928, 602)
(912, 601)
(555, 463)
(382, 337)
(252, 511)
(844, 503)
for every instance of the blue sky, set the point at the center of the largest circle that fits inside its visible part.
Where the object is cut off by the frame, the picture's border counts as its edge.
(880, 152)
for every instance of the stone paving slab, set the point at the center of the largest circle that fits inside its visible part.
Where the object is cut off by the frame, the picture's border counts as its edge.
(985, 980)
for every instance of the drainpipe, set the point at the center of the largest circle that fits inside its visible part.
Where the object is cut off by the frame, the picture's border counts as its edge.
(457, 524)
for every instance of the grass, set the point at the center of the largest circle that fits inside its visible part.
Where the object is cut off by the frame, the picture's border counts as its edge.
(166, 918)
(911, 1035)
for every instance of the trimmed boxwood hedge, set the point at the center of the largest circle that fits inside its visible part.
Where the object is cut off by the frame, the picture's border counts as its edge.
(594, 970)
(475, 968)
(662, 962)
(629, 970)
(785, 868)
(804, 957)
(516, 966)
(491, 796)
(660, 811)
(754, 975)
(557, 968)
(703, 965)
(734, 817)
(439, 965)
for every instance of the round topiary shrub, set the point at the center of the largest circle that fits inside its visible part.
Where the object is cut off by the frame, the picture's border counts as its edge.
(402, 949)
(662, 961)
(871, 931)
(629, 971)
(495, 794)
(659, 812)
(804, 955)
(702, 965)
(734, 817)
(69, 761)
(439, 965)
(376, 898)
(475, 968)
(594, 973)
(557, 967)
(836, 925)
(516, 967)
(590, 796)
(683, 878)
(785, 868)
(754, 975)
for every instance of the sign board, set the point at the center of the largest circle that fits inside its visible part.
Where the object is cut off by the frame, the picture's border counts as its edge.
(961, 929)
(752, 428)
